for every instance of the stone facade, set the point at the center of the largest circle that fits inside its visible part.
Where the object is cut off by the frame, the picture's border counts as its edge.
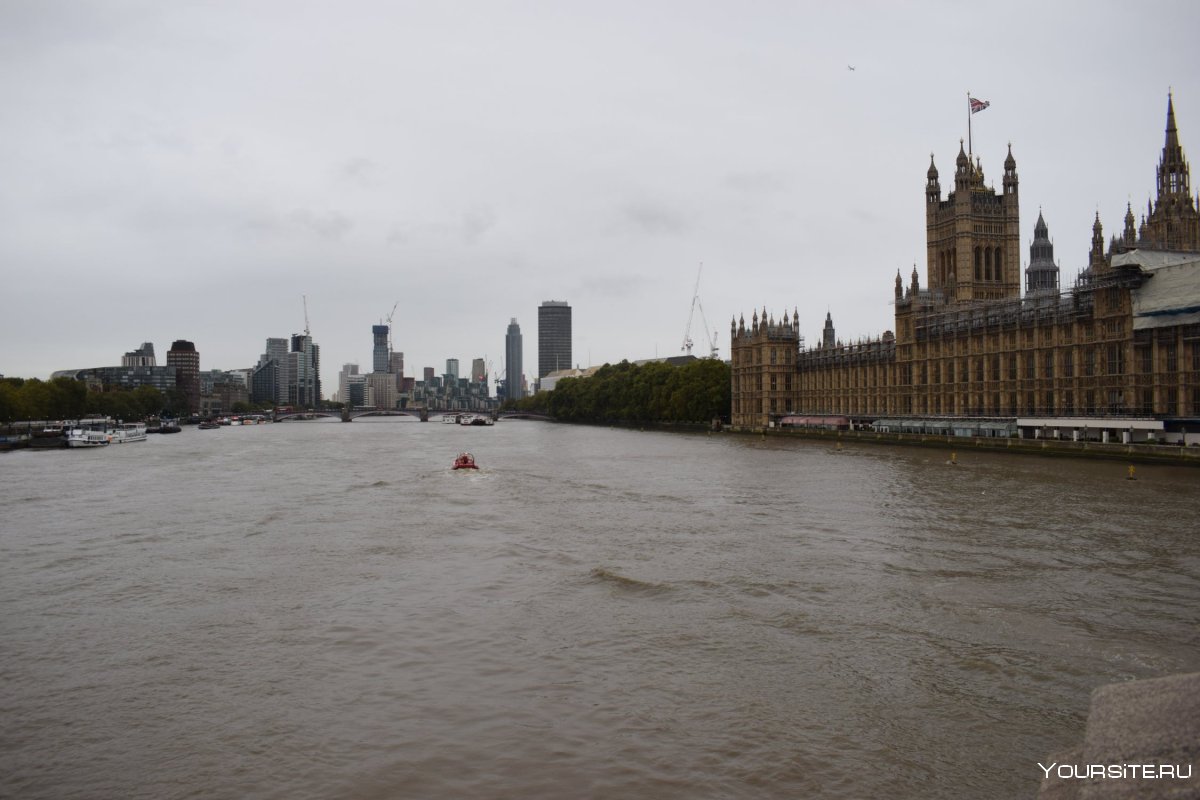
(1124, 340)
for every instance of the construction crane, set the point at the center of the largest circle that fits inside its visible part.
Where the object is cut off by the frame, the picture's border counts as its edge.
(687, 334)
(391, 348)
(305, 298)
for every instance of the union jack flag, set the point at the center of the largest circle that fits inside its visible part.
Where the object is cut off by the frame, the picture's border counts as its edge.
(978, 105)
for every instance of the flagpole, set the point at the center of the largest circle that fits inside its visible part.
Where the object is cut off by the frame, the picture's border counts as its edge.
(970, 149)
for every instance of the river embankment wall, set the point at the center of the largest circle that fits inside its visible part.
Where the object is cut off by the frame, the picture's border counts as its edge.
(1142, 453)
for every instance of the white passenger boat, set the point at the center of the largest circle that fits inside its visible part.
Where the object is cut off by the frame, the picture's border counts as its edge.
(128, 432)
(103, 432)
(89, 434)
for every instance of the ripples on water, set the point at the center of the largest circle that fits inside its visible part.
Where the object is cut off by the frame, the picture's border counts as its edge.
(327, 610)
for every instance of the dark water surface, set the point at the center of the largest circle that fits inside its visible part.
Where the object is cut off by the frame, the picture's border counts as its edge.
(326, 610)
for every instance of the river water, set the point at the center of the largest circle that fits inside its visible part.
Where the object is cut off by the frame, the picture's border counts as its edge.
(315, 609)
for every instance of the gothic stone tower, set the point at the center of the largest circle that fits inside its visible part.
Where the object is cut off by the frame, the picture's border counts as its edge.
(1041, 276)
(763, 367)
(1173, 223)
(973, 236)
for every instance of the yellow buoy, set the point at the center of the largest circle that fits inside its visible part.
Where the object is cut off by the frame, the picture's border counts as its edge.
(1130, 476)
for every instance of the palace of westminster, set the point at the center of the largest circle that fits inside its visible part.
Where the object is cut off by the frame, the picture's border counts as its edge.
(1123, 342)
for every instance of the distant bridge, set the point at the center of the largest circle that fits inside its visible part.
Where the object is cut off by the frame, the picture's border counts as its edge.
(406, 412)
(327, 413)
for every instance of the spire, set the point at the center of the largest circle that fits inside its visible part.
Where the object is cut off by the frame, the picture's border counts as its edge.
(1173, 168)
(1041, 276)
(1010, 173)
(1172, 131)
(1096, 260)
(962, 171)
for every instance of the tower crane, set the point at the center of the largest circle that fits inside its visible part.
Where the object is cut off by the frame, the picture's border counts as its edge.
(391, 348)
(687, 334)
(304, 297)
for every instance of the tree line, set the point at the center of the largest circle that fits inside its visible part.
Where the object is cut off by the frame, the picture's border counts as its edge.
(67, 398)
(634, 394)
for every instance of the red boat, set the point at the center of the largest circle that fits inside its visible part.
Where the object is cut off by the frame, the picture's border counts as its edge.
(464, 461)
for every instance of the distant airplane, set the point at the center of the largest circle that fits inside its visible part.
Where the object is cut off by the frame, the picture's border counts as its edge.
(850, 68)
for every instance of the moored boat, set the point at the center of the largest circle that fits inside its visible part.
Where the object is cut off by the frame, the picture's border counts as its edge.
(50, 436)
(12, 441)
(125, 432)
(93, 433)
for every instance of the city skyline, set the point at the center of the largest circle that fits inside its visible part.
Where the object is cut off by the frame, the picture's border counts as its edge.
(211, 183)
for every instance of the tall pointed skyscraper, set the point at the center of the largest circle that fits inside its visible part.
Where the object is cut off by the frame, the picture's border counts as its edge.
(513, 362)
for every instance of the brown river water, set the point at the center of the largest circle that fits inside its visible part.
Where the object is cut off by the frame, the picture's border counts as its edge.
(323, 610)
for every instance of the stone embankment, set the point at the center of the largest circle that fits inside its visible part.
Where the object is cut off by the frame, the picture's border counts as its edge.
(1142, 741)
(1136, 453)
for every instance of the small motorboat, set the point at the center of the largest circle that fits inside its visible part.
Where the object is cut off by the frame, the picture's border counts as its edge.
(464, 461)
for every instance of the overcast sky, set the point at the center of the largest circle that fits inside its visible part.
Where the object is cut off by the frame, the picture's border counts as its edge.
(187, 170)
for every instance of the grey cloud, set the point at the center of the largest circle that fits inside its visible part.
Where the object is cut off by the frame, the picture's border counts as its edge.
(757, 182)
(360, 170)
(476, 222)
(330, 225)
(653, 219)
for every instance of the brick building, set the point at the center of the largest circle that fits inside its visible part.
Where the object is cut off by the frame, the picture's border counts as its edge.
(1123, 342)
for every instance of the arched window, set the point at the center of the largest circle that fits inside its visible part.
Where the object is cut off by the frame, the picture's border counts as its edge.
(978, 264)
(999, 262)
(987, 263)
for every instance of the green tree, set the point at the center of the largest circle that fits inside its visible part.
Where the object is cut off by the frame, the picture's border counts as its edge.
(655, 392)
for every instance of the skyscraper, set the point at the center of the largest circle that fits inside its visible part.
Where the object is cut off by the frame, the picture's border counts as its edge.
(554, 337)
(452, 368)
(348, 371)
(513, 362)
(304, 372)
(186, 360)
(380, 356)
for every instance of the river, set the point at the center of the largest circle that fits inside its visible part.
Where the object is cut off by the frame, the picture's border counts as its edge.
(323, 610)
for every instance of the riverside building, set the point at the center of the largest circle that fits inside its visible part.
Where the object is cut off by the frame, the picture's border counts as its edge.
(1117, 354)
(554, 337)
(513, 362)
